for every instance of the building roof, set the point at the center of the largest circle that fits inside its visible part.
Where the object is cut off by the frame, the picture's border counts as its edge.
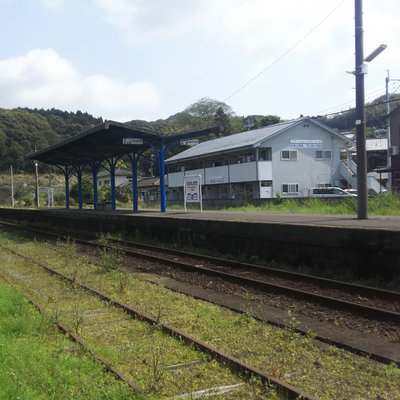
(245, 139)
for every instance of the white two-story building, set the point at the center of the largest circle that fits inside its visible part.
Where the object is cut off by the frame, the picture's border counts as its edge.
(285, 159)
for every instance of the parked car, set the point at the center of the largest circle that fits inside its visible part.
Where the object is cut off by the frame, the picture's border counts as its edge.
(329, 192)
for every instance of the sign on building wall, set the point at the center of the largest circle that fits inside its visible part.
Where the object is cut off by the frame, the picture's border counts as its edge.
(192, 189)
(306, 143)
(217, 179)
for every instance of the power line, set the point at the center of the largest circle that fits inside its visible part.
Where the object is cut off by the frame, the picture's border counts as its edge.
(286, 52)
(371, 95)
(352, 109)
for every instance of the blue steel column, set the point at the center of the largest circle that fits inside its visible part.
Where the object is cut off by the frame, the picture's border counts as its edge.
(135, 196)
(112, 178)
(66, 176)
(79, 174)
(95, 195)
(163, 199)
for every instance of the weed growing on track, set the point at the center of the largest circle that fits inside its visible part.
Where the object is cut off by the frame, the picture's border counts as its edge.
(37, 362)
(110, 257)
(326, 372)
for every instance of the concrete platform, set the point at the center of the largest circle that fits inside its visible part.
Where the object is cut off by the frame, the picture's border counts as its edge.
(366, 247)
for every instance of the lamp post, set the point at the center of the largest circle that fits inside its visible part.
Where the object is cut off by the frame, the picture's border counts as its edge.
(36, 184)
(360, 71)
(389, 163)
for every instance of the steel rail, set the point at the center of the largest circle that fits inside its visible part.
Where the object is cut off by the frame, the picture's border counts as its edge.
(76, 338)
(295, 276)
(358, 309)
(367, 310)
(234, 363)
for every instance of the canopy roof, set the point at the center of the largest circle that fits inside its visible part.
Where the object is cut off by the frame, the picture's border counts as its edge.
(110, 139)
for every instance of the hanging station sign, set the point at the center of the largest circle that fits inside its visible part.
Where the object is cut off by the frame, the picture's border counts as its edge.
(189, 142)
(129, 140)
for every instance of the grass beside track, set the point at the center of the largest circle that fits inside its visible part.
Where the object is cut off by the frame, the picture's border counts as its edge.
(382, 204)
(37, 362)
(385, 204)
(325, 372)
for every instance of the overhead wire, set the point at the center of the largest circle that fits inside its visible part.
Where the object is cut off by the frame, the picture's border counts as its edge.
(351, 103)
(283, 55)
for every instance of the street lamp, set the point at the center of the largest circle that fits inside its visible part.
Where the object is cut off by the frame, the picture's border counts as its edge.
(360, 71)
(388, 134)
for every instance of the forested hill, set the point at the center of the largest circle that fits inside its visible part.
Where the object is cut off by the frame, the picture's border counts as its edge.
(23, 130)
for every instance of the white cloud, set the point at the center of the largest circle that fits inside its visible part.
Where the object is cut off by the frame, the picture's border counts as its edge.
(142, 20)
(53, 5)
(43, 79)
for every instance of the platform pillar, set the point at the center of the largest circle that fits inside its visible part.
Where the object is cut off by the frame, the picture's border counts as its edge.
(80, 197)
(112, 178)
(67, 202)
(163, 198)
(135, 196)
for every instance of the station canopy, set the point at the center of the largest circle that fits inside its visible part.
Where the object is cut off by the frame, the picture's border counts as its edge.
(108, 140)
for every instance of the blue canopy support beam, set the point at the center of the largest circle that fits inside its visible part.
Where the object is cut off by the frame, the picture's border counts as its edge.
(67, 202)
(95, 167)
(135, 194)
(79, 172)
(161, 157)
(67, 172)
(111, 164)
(134, 158)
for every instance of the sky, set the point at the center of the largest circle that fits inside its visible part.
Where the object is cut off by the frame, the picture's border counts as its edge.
(149, 59)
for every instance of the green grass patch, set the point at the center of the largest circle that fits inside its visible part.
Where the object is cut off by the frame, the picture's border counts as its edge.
(141, 351)
(37, 362)
(381, 204)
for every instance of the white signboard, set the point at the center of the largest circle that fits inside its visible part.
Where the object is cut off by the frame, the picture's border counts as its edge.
(306, 143)
(189, 142)
(130, 140)
(217, 179)
(192, 189)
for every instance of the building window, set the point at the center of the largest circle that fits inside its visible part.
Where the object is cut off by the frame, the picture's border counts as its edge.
(266, 183)
(265, 154)
(323, 154)
(290, 188)
(290, 155)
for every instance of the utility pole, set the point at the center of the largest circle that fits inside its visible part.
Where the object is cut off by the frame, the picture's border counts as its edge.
(362, 194)
(359, 72)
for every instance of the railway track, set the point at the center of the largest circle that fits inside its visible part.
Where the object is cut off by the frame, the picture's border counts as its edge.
(367, 302)
(384, 304)
(31, 281)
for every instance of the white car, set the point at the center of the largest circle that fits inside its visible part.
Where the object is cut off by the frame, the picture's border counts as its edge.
(329, 192)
